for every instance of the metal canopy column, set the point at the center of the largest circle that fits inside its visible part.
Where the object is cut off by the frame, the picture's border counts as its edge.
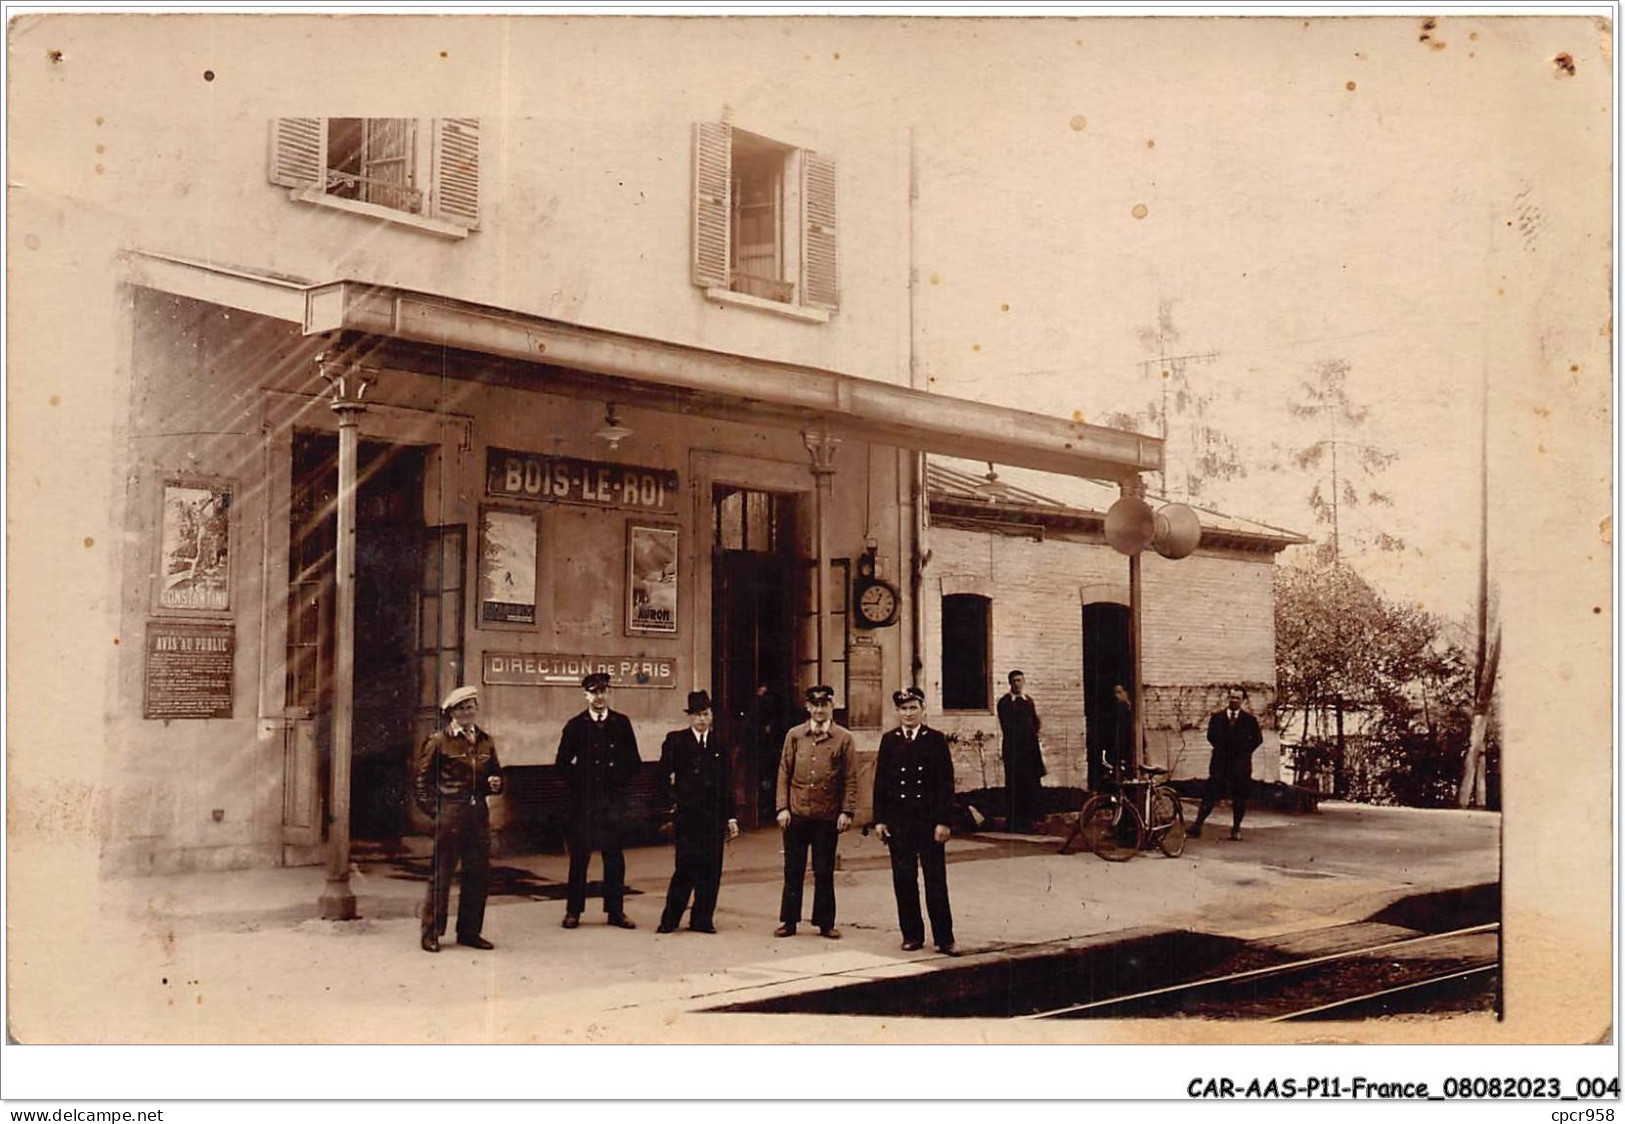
(349, 388)
(822, 445)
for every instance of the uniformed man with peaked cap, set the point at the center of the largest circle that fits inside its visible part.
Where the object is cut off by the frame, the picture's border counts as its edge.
(598, 753)
(913, 806)
(817, 798)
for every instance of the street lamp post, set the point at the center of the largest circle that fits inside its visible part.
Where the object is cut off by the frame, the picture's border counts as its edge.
(1130, 527)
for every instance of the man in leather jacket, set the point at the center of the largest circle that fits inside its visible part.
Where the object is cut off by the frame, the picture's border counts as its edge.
(456, 769)
(598, 753)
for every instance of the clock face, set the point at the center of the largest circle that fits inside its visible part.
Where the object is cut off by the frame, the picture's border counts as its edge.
(877, 604)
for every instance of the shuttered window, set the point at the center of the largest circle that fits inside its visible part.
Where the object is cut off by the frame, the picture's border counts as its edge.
(387, 166)
(764, 219)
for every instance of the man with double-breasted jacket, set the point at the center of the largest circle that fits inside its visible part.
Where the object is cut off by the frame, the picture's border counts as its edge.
(913, 810)
(455, 770)
(817, 798)
(695, 769)
(1234, 735)
(598, 754)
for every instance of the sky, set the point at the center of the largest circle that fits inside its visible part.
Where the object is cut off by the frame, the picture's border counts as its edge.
(1291, 191)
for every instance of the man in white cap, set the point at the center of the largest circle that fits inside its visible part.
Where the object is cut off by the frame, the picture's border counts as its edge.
(456, 769)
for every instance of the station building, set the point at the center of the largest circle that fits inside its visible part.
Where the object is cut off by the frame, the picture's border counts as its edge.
(1017, 579)
(632, 391)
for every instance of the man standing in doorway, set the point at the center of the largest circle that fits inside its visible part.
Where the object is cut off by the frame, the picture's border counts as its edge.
(456, 769)
(1023, 757)
(913, 804)
(1122, 756)
(817, 798)
(598, 752)
(694, 763)
(1233, 734)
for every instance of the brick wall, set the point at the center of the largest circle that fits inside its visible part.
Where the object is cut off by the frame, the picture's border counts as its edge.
(1208, 619)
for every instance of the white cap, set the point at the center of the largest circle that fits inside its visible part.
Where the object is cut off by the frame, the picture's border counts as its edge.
(459, 694)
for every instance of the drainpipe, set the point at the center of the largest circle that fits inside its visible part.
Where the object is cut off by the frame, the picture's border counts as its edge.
(918, 496)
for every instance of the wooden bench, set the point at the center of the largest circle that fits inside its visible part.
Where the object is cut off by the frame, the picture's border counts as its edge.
(538, 798)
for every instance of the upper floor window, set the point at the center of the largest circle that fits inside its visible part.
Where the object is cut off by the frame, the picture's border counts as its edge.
(421, 171)
(764, 222)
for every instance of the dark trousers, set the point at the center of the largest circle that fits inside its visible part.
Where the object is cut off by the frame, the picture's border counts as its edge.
(462, 835)
(585, 837)
(820, 835)
(698, 871)
(1227, 778)
(912, 851)
(1024, 789)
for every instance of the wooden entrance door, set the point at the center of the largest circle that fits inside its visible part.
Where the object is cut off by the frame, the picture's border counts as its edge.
(754, 589)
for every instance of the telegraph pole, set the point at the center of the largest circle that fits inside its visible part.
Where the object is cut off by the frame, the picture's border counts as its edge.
(1168, 367)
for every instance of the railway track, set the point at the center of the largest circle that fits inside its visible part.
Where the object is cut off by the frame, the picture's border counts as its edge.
(1413, 972)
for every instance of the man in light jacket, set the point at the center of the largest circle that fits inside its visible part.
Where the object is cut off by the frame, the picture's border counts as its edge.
(817, 798)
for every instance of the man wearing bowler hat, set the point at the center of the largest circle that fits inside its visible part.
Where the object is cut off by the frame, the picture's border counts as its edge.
(913, 804)
(694, 765)
(455, 770)
(598, 753)
(817, 798)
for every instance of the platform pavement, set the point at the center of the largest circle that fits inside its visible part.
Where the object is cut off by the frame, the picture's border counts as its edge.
(241, 957)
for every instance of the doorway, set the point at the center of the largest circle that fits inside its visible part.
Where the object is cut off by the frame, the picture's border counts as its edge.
(754, 589)
(1106, 663)
(390, 542)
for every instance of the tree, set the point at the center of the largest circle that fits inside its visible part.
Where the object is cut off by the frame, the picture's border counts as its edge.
(1196, 452)
(1344, 470)
(1341, 650)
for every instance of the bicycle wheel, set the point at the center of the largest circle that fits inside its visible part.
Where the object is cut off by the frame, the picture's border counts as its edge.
(1112, 828)
(1169, 815)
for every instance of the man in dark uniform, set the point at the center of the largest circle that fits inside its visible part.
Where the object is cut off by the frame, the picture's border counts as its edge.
(694, 766)
(913, 803)
(1023, 757)
(1233, 734)
(456, 768)
(598, 752)
(817, 798)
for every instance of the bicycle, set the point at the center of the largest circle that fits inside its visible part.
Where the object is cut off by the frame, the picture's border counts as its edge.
(1132, 815)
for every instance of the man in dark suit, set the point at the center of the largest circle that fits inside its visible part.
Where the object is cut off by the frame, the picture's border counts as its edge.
(913, 804)
(1233, 734)
(455, 770)
(694, 766)
(1023, 756)
(598, 752)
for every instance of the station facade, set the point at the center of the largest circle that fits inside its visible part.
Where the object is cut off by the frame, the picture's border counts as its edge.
(634, 390)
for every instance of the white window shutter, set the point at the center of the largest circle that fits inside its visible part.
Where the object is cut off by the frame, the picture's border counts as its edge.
(299, 151)
(713, 164)
(820, 263)
(455, 175)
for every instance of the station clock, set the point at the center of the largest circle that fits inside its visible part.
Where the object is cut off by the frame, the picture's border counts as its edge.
(876, 600)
